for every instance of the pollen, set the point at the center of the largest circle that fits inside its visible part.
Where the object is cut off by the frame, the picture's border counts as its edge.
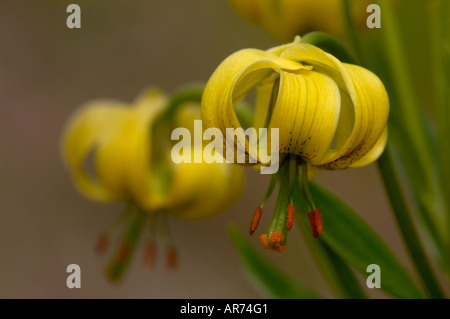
(275, 241)
(262, 238)
(255, 220)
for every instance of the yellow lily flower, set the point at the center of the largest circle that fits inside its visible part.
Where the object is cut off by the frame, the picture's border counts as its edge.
(132, 163)
(284, 19)
(330, 115)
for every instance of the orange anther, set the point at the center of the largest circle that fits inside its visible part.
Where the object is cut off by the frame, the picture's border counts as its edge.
(312, 221)
(150, 253)
(255, 220)
(290, 217)
(318, 220)
(171, 258)
(102, 244)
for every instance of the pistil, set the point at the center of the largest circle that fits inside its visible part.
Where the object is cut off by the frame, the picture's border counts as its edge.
(275, 238)
(119, 263)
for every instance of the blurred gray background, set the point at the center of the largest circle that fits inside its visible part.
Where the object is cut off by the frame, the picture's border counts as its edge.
(47, 71)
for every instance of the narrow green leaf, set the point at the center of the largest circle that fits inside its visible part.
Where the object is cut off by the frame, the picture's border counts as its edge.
(438, 14)
(337, 273)
(408, 130)
(406, 225)
(358, 245)
(267, 277)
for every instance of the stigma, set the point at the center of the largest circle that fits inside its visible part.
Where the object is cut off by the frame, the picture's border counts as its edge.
(275, 241)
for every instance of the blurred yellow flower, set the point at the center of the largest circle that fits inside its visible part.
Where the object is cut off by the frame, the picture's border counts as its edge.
(131, 154)
(285, 19)
(330, 115)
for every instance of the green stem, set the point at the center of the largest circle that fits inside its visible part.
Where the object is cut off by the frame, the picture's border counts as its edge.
(352, 33)
(163, 126)
(330, 44)
(405, 223)
(191, 93)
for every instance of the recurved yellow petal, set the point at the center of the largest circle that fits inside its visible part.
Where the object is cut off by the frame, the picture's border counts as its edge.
(87, 130)
(119, 136)
(364, 107)
(238, 74)
(234, 77)
(306, 113)
(202, 190)
(374, 153)
(140, 167)
(372, 103)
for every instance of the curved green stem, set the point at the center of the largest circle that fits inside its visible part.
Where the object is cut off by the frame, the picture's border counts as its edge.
(405, 223)
(330, 44)
(191, 93)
